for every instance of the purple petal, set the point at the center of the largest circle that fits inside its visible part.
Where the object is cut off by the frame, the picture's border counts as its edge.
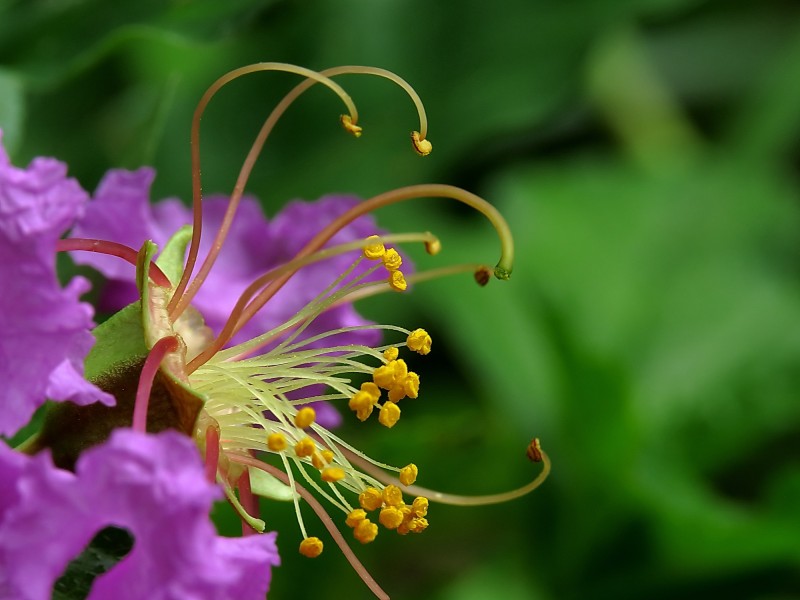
(45, 328)
(153, 486)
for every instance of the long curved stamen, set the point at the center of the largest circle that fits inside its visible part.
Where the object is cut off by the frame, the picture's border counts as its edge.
(248, 500)
(457, 499)
(122, 251)
(230, 328)
(323, 516)
(151, 365)
(212, 453)
(502, 271)
(180, 299)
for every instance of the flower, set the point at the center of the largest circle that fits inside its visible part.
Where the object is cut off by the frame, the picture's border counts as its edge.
(151, 485)
(45, 328)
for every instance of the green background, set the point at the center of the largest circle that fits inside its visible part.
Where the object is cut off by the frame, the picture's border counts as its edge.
(646, 154)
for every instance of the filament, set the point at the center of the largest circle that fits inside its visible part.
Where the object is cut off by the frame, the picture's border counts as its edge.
(180, 300)
(151, 365)
(323, 516)
(122, 251)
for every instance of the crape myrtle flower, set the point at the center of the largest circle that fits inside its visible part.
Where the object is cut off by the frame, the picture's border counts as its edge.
(45, 327)
(121, 211)
(243, 401)
(152, 485)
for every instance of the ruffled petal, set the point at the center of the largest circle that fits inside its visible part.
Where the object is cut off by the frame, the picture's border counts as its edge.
(154, 487)
(45, 329)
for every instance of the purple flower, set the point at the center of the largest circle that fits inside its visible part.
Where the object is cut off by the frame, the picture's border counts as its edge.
(121, 211)
(153, 486)
(45, 328)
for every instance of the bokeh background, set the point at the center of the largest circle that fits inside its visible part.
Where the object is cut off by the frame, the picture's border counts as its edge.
(646, 154)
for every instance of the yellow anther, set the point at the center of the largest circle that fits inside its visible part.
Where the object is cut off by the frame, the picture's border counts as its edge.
(411, 385)
(362, 403)
(386, 376)
(370, 499)
(404, 528)
(418, 525)
(355, 517)
(349, 126)
(311, 547)
(420, 506)
(366, 531)
(305, 447)
(396, 394)
(419, 341)
(276, 442)
(392, 496)
(391, 517)
(433, 247)
(374, 248)
(408, 474)
(327, 456)
(391, 354)
(421, 147)
(333, 474)
(389, 415)
(317, 461)
(373, 390)
(392, 260)
(305, 417)
(397, 282)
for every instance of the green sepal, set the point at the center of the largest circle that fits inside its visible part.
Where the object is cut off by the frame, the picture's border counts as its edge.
(268, 486)
(171, 260)
(119, 342)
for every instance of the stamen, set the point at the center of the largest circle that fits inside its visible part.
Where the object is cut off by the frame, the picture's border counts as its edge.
(453, 499)
(151, 365)
(243, 311)
(122, 251)
(180, 300)
(502, 271)
(323, 516)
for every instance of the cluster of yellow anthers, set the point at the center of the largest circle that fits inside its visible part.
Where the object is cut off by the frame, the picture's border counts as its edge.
(243, 390)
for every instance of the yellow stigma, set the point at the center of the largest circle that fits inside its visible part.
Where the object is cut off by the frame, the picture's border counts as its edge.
(419, 341)
(408, 474)
(305, 417)
(391, 517)
(365, 531)
(374, 248)
(389, 415)
(311, 547)
(355, 517)
(305, 447)
(397, 282)
(392, 496)
(332, 474)
(276, 442)
(391, 354)
(421, 147)
(370, 499)
(392, 260)
(349, 126)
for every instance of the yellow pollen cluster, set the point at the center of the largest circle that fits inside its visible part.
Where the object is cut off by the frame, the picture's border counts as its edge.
(419, 341)
(408, 474)
(349, 126)
(364, 400)
(394, 514)
(421, 147)
(392, 261)
(276, 442)
(305, 447)
(311, 547)
(305, 417)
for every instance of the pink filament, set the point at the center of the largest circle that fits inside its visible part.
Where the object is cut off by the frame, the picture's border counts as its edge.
(323, 516)
(212, 453)
(149, 370)
(248, 500)
(122, 251)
